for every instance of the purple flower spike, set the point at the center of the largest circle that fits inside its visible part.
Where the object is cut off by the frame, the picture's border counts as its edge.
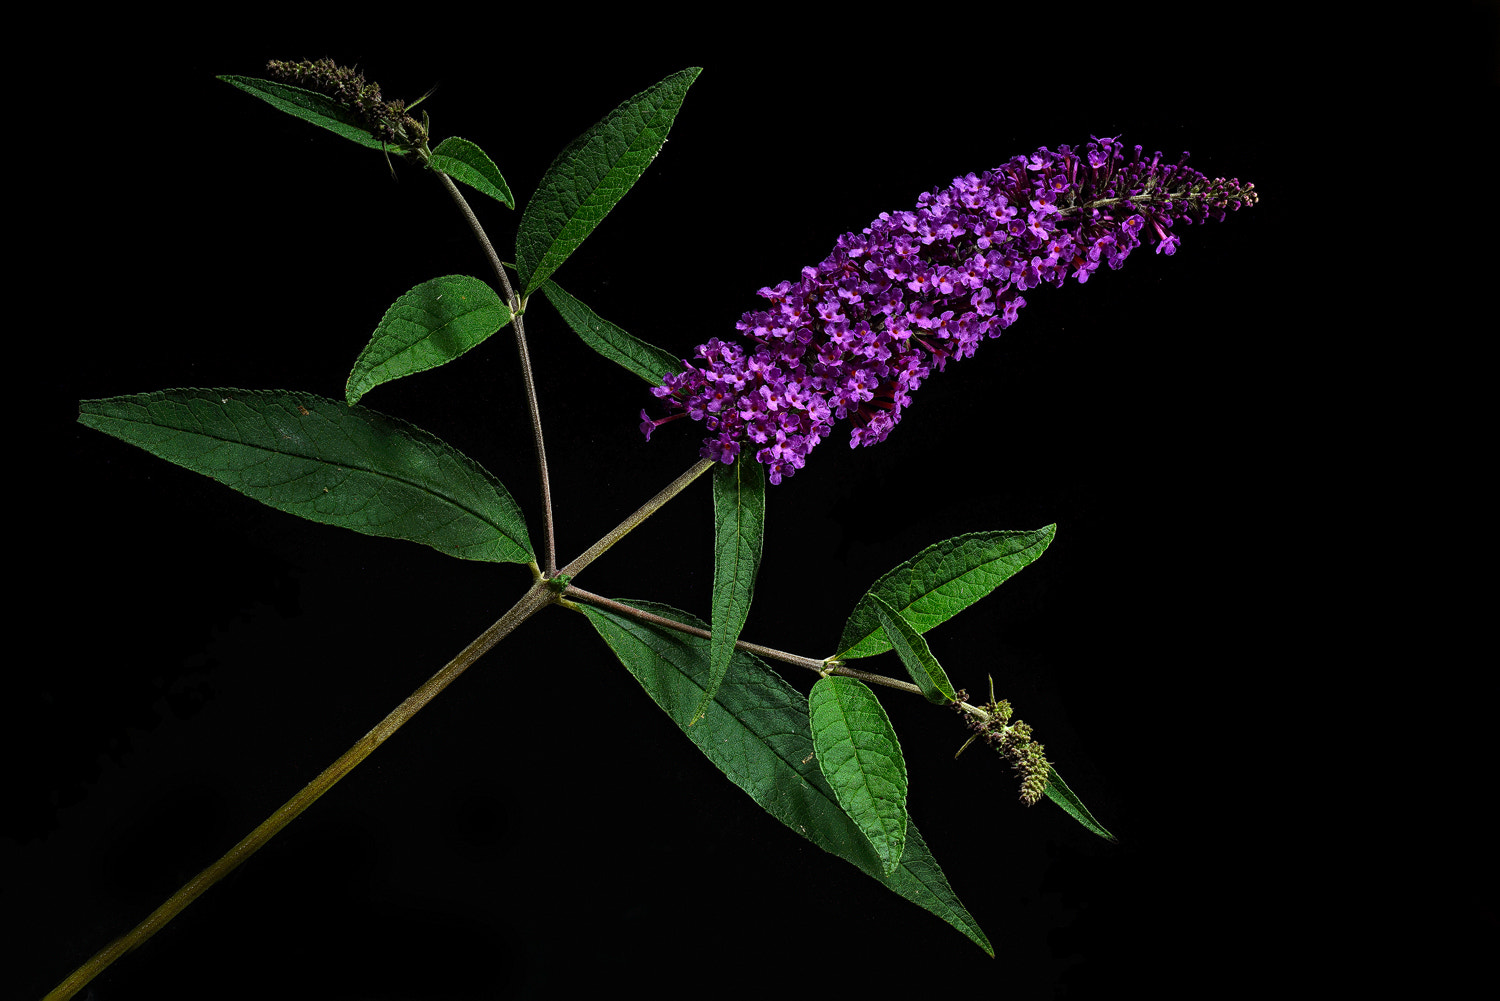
(857, 334)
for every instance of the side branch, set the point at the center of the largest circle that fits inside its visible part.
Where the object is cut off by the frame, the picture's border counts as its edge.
(811, 664)
(517, 308)
(645, 511)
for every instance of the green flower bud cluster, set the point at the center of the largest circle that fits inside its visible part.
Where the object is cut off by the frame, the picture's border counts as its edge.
(386, 120)
(1014, 743)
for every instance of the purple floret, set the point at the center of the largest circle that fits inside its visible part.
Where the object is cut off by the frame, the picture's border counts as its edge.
(855, 336)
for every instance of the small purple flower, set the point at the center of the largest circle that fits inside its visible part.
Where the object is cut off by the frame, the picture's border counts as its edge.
(857, 334)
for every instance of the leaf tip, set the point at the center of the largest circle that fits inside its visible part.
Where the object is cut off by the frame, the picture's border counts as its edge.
(355, 387)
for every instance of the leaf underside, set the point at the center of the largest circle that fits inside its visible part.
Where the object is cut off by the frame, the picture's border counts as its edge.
(915, 655)
(624, 349)
(464, 161)
(757, 732)
(739, 496)
(310, 106)
(1058, 792)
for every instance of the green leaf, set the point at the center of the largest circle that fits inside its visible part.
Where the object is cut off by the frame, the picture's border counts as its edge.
(912, 649)
(464, 161)
(739, 529)
(861, 759)
(1058, 792)
(592, 174)
(323, 460)
(309, 106)
(626, 350)
(429, 326)
(939, 582)
(757, 732)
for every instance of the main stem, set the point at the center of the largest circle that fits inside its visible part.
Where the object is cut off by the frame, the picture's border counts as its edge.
(534, 599)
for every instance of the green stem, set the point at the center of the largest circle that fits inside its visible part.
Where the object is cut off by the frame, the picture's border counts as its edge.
(533, 600)
(645, 511)
(537, 597)
(517, 308)
(819, 666)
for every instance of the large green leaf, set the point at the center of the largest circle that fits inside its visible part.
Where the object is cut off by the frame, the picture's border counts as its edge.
(592, 174)
(1058, 792)
(464, 161)
(624, 349)
(428, 326)
(914, 653)
(939, 582)
(861, 758)
(309, 106)
(326, 461)
(757, 732)
(739, 529)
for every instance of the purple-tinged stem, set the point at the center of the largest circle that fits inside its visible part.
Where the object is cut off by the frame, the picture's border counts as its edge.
(517, 308)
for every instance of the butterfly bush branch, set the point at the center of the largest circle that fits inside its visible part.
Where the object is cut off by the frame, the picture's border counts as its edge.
(511, 299)
(641, 513)
(1013, 741)
(770, 653)
(389, 121)
(517, 308)
(991, 722)
(857, 334)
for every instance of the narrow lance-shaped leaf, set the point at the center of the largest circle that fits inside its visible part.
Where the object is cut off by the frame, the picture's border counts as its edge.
(939, 582)
(859, 755)
(309, 106)
(323, 460)
(592, 174)
(739, 528)
(757, 732)
(463, 161)
(624, 349)
(432, 324)
(914, 653)
(1058, 792)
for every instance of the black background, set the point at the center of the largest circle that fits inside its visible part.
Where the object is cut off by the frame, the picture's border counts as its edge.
(542, 828)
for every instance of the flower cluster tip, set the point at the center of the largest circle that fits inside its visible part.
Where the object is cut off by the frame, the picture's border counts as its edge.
(855, 335)
(1014, 743)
